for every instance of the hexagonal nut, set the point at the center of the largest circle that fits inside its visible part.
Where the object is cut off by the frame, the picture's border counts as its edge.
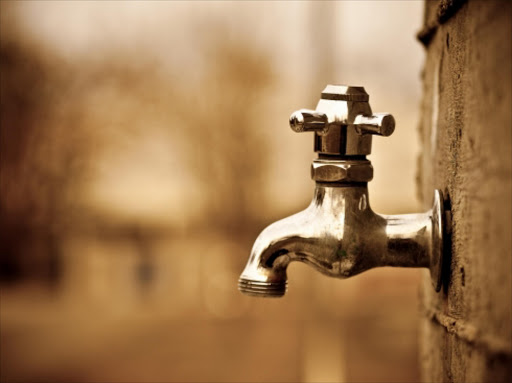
(341, 171)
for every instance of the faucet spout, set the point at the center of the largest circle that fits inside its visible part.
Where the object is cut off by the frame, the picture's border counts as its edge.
(340, 236)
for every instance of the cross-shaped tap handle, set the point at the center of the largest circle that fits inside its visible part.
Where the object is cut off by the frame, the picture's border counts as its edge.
(343, 121)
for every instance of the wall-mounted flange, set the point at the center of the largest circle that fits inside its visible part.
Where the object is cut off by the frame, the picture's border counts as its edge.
(438, 240)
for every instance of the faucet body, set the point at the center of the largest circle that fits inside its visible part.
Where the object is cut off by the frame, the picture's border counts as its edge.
(340, 236)
(338, 233)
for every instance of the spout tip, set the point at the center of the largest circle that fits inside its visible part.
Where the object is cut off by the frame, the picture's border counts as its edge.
(262, 289)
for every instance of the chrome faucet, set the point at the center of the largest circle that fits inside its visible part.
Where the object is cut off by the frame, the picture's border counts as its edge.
(338, 233)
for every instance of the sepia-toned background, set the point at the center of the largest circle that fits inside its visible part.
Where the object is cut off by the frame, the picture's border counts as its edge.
(144, 145)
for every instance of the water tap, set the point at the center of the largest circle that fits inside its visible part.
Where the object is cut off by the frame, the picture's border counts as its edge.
(338, 233)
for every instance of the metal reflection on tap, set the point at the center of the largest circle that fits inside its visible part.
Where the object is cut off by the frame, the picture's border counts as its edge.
(339, 234)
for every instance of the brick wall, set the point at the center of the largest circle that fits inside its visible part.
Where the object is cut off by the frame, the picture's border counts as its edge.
(466, 130)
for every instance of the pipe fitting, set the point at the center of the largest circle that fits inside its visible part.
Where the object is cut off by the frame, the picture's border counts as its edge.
(323, 170)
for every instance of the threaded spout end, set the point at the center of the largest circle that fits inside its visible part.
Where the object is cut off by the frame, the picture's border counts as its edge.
(262, 289)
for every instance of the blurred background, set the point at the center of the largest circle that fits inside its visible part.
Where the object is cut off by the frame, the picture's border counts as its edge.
(144, 145)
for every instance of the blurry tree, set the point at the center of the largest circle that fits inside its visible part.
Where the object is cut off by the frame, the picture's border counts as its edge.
(226, 138)
(58, 116)
(39, 156)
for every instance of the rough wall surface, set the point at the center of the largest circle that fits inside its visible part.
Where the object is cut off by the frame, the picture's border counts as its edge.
(466, 130)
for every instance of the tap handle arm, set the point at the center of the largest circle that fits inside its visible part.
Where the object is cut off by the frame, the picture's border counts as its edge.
(382, 124)
(306, 120)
